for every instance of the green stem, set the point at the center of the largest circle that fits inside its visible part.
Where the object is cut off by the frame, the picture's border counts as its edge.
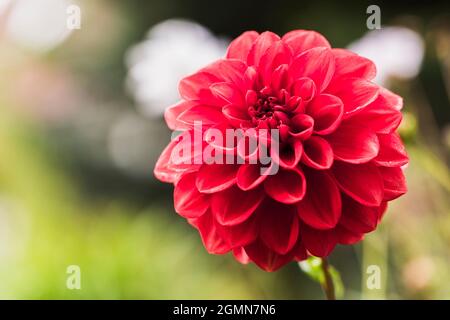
(328, 285)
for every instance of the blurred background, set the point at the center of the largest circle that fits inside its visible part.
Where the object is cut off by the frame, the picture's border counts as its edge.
(81, 127)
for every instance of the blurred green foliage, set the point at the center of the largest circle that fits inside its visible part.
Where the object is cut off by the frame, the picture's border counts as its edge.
(62, 202)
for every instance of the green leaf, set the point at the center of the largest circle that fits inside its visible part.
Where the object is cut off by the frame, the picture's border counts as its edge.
(313, 268)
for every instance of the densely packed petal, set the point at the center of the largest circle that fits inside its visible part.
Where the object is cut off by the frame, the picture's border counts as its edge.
(335, 159)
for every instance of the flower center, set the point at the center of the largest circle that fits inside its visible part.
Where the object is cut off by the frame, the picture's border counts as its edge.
(263, 109)
(268, 111)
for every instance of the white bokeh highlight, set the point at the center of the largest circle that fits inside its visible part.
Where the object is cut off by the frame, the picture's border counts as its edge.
(173, 49)
(38, 25)
(396, 51)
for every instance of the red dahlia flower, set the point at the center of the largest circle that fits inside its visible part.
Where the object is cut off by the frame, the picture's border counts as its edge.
(340, 159)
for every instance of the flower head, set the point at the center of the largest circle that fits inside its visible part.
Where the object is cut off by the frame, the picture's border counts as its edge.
(338, 156)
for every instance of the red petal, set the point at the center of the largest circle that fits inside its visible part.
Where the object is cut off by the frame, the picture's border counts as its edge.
(351, 65)
(354, 143)
(302, 126)
(215, 149)
(250, 78)
(277, 54)
(394, 182)
(241, 255)
(351, 231)
(317, 153)
(171, 114)
(304, 88)
(192, 87)
(279, 226)
(248, 144)
(383, 209)
(173, 163)
(392, 151)
(302, 40)
(240, 47)
(228, 92)
(250, 176)
(265, 258)
(355, 93)
(287, 186)
(189, 203)
(321, 206)
(236, 115)
(392, 99)
(260, 46)
(162, 170)
(319, 243)
(345, 236)
(316, 64)
(362, 182)
(327, 111)
(300, 252)
(289, 155)
(358, 218)
(229, 212)
(279, 79)
(216, 177)
(380, 116)
(187, 153)
(241, 234)
(228, 70)
(205, 115)
(212, 240)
